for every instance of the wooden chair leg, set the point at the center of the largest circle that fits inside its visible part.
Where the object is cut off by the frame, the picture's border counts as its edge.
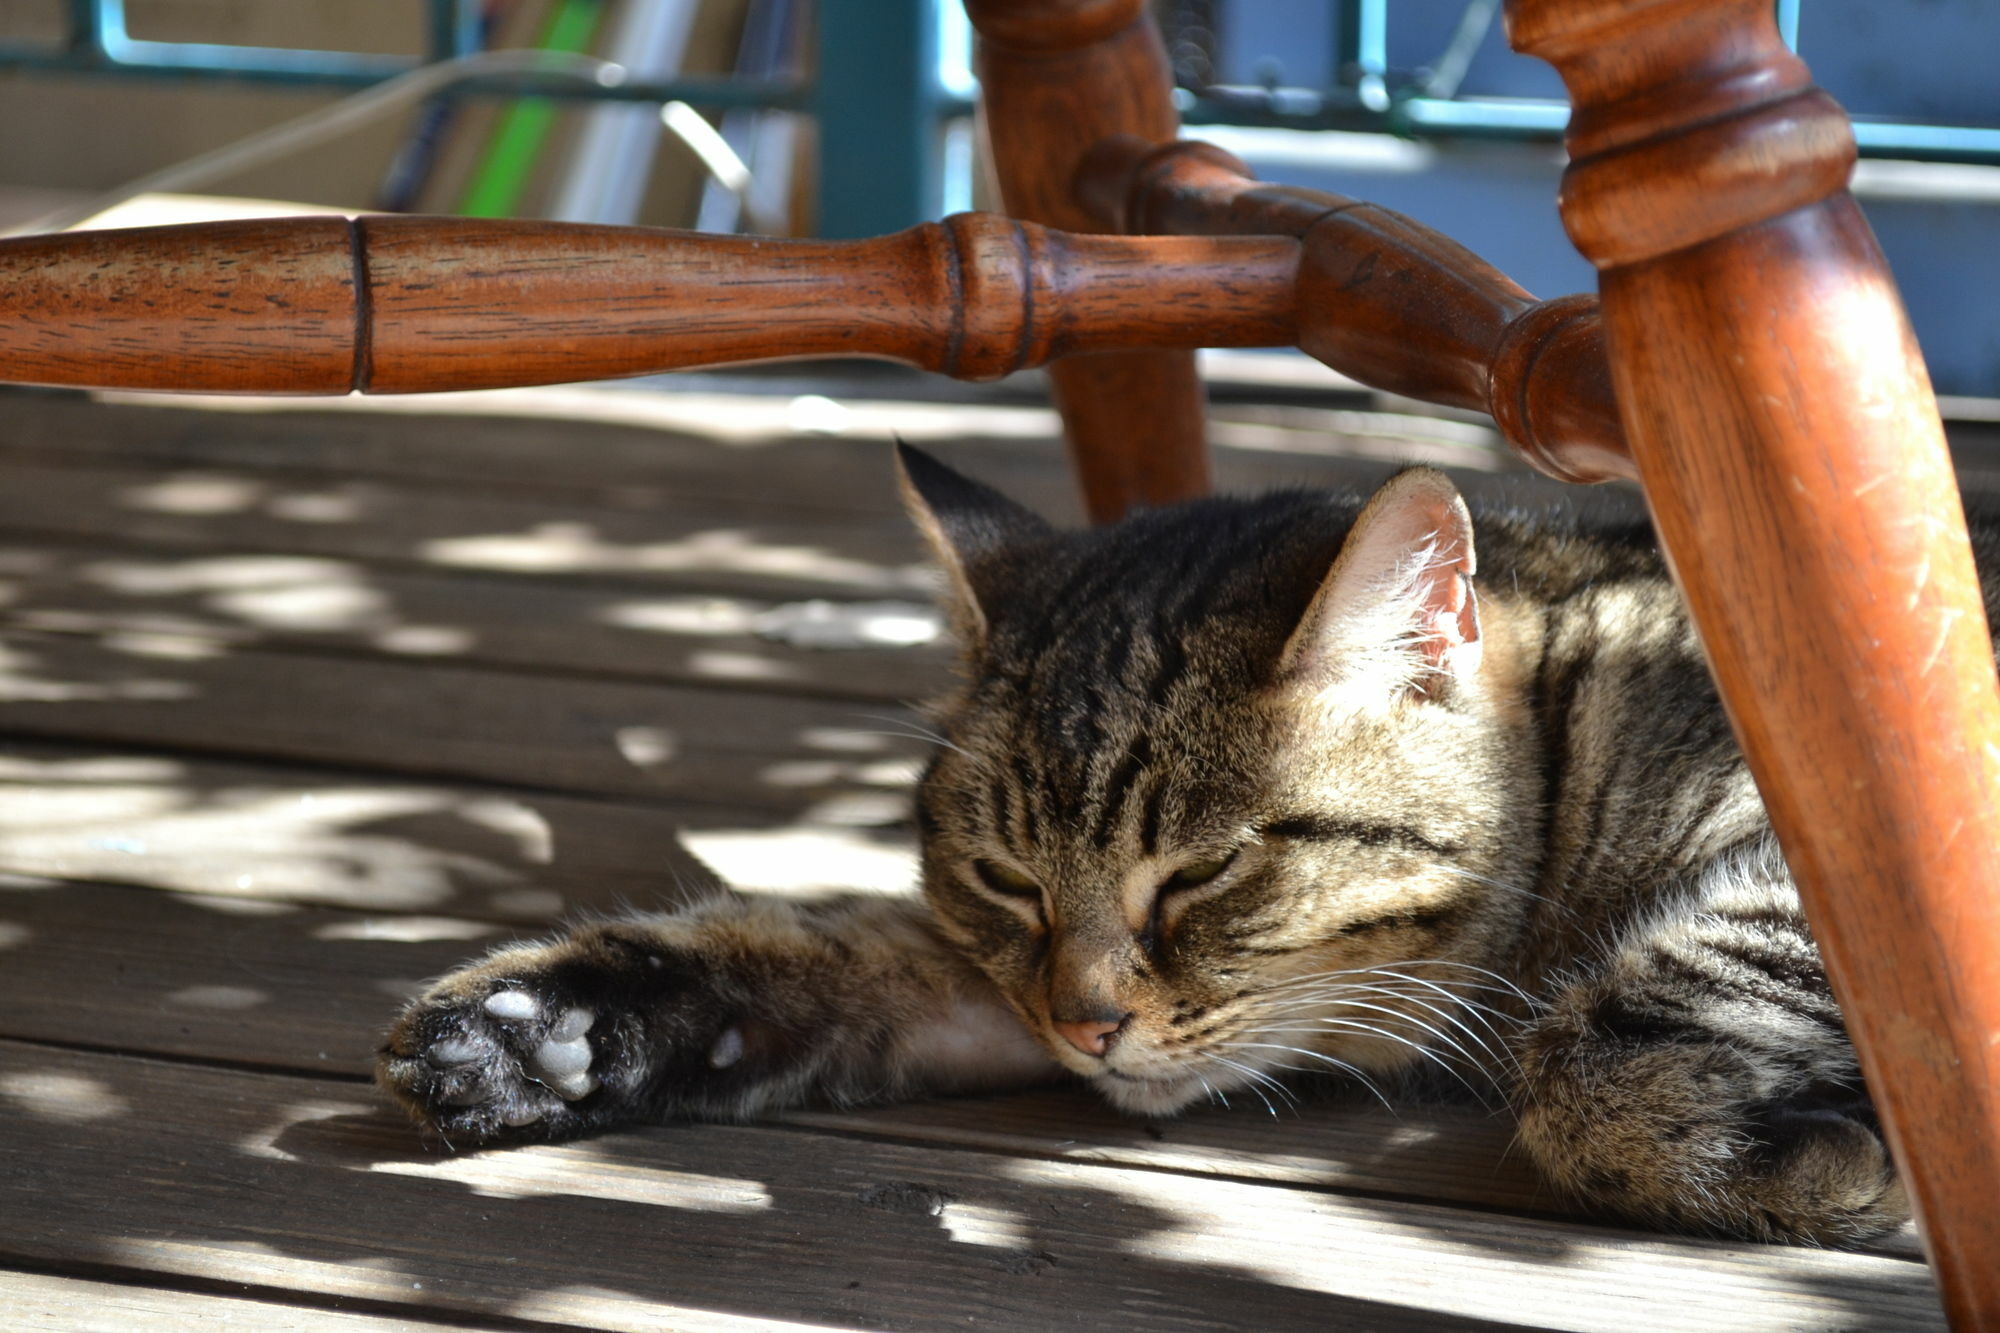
(1785, 432)
(1055, 78)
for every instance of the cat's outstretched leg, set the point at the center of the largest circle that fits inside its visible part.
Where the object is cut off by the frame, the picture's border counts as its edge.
(720, 1011)
(1701, 1080)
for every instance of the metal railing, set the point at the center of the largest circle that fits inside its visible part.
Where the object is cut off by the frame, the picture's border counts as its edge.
(880, 102)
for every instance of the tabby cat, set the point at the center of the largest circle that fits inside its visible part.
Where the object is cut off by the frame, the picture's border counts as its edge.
(1249, 786)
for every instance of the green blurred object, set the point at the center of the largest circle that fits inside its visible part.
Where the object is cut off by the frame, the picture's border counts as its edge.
(503, 174)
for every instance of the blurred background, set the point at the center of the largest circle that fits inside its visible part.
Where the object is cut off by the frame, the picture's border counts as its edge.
(853, 117)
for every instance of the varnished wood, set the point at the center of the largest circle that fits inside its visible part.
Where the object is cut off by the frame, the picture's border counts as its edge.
(1057, 76)
(1790, 448)
(411, 305)
(464, 303)
(1390, 302)
(263, 306)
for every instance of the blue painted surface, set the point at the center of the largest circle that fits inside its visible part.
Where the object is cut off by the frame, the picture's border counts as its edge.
(1925, 61)
(879, 101)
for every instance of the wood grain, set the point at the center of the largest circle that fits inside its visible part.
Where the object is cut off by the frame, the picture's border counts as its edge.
(1790, 448)
(307, 1184)
(686, 545)
(426, 719)
(38, 1302)
(261, 832)
(243, 598)
(462, 303)
(1057, 76)
(266, 306)
(1390, 302)
(246, 980)
(758, 455)
(309, 989)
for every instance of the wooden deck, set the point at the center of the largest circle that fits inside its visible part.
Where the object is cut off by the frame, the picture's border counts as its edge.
(304, 705)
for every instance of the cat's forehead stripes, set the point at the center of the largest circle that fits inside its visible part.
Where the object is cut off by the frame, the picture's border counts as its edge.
(1366, 832)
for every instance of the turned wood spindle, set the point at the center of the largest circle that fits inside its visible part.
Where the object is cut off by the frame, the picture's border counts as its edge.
(1785, 432)
(1055, 77)
(413, 305)
(1390, 302)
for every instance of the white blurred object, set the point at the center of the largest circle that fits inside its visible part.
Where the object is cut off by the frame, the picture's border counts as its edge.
(604, 180)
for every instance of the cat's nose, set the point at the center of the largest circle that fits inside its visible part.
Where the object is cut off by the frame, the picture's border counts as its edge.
(1092, 1038)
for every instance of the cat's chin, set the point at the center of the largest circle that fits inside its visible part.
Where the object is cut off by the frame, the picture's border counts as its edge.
(1151, 1096)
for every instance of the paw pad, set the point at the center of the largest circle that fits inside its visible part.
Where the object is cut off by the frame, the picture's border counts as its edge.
(512, 1069)
(517, 1005)
(728, 1049)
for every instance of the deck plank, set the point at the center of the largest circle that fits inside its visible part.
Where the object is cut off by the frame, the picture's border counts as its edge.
(593, 446)
(311, 990)
(39, 1301)
(516, 670)
(289, 833)
(617, 447)
(603, 737)
(284, 1181)
(874, 649)
(761, 550)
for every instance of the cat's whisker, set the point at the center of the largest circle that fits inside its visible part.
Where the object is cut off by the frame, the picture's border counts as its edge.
(1491, 1041)
(1497, 981)
(1269, 1082)
(1418, 1047)
(1342, 1065)
(909, 730)
(1500, 1054)
(1505, 987)
(1444, 1040)
(1256, 1077)
(1431, 1053)
(1350, 1003)
(1422, 991)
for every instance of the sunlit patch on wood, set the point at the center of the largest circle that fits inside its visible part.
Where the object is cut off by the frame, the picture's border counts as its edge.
(61, 1096)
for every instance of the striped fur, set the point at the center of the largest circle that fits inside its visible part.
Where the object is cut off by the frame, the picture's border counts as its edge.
(1552, 879)
(1251, 788)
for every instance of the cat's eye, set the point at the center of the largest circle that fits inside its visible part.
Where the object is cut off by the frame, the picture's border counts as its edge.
(1006, 880)
(1197, 873)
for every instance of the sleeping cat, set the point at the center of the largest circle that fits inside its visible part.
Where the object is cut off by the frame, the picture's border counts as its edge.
(1252, 786)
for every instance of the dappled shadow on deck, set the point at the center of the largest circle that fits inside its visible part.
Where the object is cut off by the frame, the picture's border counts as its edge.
(306, 709)
(240, 1177)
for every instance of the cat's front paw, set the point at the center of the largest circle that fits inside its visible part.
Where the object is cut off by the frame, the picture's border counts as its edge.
(546, 1042)
(1685, 1135)
(476, 1067)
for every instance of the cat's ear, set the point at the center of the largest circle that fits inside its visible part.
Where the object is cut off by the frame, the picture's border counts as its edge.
(1398, 605)
(972, 531)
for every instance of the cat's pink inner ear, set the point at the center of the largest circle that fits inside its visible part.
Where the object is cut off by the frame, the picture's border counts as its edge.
(1448, 610)
(1401, 585)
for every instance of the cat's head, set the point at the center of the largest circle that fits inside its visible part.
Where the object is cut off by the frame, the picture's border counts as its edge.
(1228, 786)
